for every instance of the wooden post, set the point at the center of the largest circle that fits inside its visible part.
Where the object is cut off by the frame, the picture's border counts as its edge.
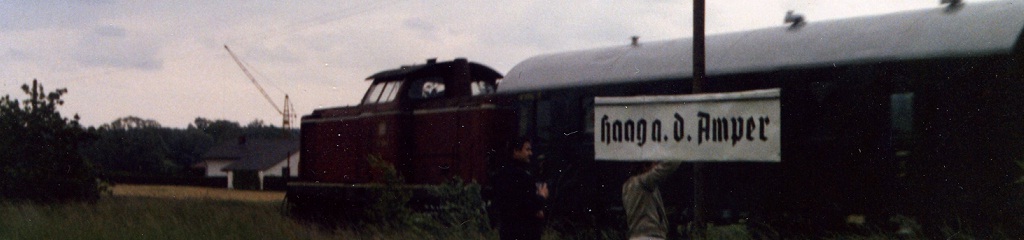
(699, 205)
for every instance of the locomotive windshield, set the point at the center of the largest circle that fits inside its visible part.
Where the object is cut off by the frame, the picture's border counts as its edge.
(382, 92)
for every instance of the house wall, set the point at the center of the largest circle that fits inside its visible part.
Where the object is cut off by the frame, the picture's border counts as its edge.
(275, 171)
(214, 166)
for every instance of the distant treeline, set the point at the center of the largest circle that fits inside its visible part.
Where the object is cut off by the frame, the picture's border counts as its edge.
(48, 157)
(132, 146)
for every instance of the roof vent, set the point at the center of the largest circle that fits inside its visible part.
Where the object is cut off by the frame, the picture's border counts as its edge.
(953, 4)
(795, 20)
(636, 41)
(431, 61)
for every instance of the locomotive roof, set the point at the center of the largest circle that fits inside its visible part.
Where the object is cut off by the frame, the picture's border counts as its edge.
(975, 29)
(479, 71)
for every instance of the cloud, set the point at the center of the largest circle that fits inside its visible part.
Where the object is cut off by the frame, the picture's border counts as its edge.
(424, 27)
(15, 54)
(165, 59)
(115, 47)
(110, 31)
(23, 15)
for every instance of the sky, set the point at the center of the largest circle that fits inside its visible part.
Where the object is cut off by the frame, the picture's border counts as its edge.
(165, 60)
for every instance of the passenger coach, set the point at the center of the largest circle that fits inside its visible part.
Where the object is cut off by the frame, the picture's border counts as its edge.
(915, 113)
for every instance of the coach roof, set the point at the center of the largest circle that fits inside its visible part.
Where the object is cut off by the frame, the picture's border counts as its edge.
(974, 29)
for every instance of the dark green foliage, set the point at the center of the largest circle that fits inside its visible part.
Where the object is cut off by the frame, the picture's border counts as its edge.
(392, 207)
(220, 130)
(187, 146)
(461, 208)
(39, 157)
(459, 212)
(133, 146)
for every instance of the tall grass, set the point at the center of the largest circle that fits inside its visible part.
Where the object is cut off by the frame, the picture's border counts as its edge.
(242, 216)
(121, 217)
(151, 218)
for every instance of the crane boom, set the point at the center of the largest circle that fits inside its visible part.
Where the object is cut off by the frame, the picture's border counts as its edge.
(253, 79)
(288, 113)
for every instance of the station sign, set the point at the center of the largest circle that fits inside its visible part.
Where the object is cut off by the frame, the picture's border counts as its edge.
(719, 127)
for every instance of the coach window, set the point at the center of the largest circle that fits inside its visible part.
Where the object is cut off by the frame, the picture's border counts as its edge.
(902, 120)
(426, 88)
(545, 119)
(588, 115)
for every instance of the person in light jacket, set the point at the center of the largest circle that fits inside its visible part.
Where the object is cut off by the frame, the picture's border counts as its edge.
(645, 210)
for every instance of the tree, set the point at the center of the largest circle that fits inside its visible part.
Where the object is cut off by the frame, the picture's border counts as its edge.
(130, 123)
(39, 157)
(132, 145)
(188, 146)
(220, 130)
(136, 151)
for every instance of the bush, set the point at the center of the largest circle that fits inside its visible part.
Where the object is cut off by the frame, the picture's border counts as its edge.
(391, 208)
(458, 212)
(39, 157)
(460, 207)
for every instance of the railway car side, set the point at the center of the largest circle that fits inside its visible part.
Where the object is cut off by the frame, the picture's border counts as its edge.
(902, 113)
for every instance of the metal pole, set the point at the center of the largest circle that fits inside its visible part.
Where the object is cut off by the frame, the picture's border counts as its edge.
(698, 46)
(699, 205)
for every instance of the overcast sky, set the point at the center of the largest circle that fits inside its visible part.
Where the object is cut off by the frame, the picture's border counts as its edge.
(165, 60)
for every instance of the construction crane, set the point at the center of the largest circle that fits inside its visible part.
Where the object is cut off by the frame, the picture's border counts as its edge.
(287, 113)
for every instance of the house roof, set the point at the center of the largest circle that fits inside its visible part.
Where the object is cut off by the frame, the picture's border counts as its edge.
(253, 154)
(973, 29)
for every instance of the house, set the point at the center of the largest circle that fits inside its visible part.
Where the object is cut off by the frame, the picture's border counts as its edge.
(253, 163)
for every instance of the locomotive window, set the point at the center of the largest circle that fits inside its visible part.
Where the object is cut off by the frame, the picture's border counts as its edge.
(373, 94)
(482, 87)
(426, 88)
(390, 91)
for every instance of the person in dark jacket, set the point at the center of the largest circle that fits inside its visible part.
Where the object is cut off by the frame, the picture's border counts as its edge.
(519, 197)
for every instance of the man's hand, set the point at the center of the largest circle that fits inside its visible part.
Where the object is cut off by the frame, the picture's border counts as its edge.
(542, 190)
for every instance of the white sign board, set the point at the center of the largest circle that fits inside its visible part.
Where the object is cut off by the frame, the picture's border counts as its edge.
(721, 127)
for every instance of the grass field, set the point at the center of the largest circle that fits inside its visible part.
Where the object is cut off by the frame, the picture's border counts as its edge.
(158, 212)
(195, 193)
(173, 212)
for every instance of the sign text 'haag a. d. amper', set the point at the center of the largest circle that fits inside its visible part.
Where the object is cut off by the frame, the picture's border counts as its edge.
(743, 126)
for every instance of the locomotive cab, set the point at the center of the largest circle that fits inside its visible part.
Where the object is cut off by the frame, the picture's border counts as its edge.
(431, 81)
